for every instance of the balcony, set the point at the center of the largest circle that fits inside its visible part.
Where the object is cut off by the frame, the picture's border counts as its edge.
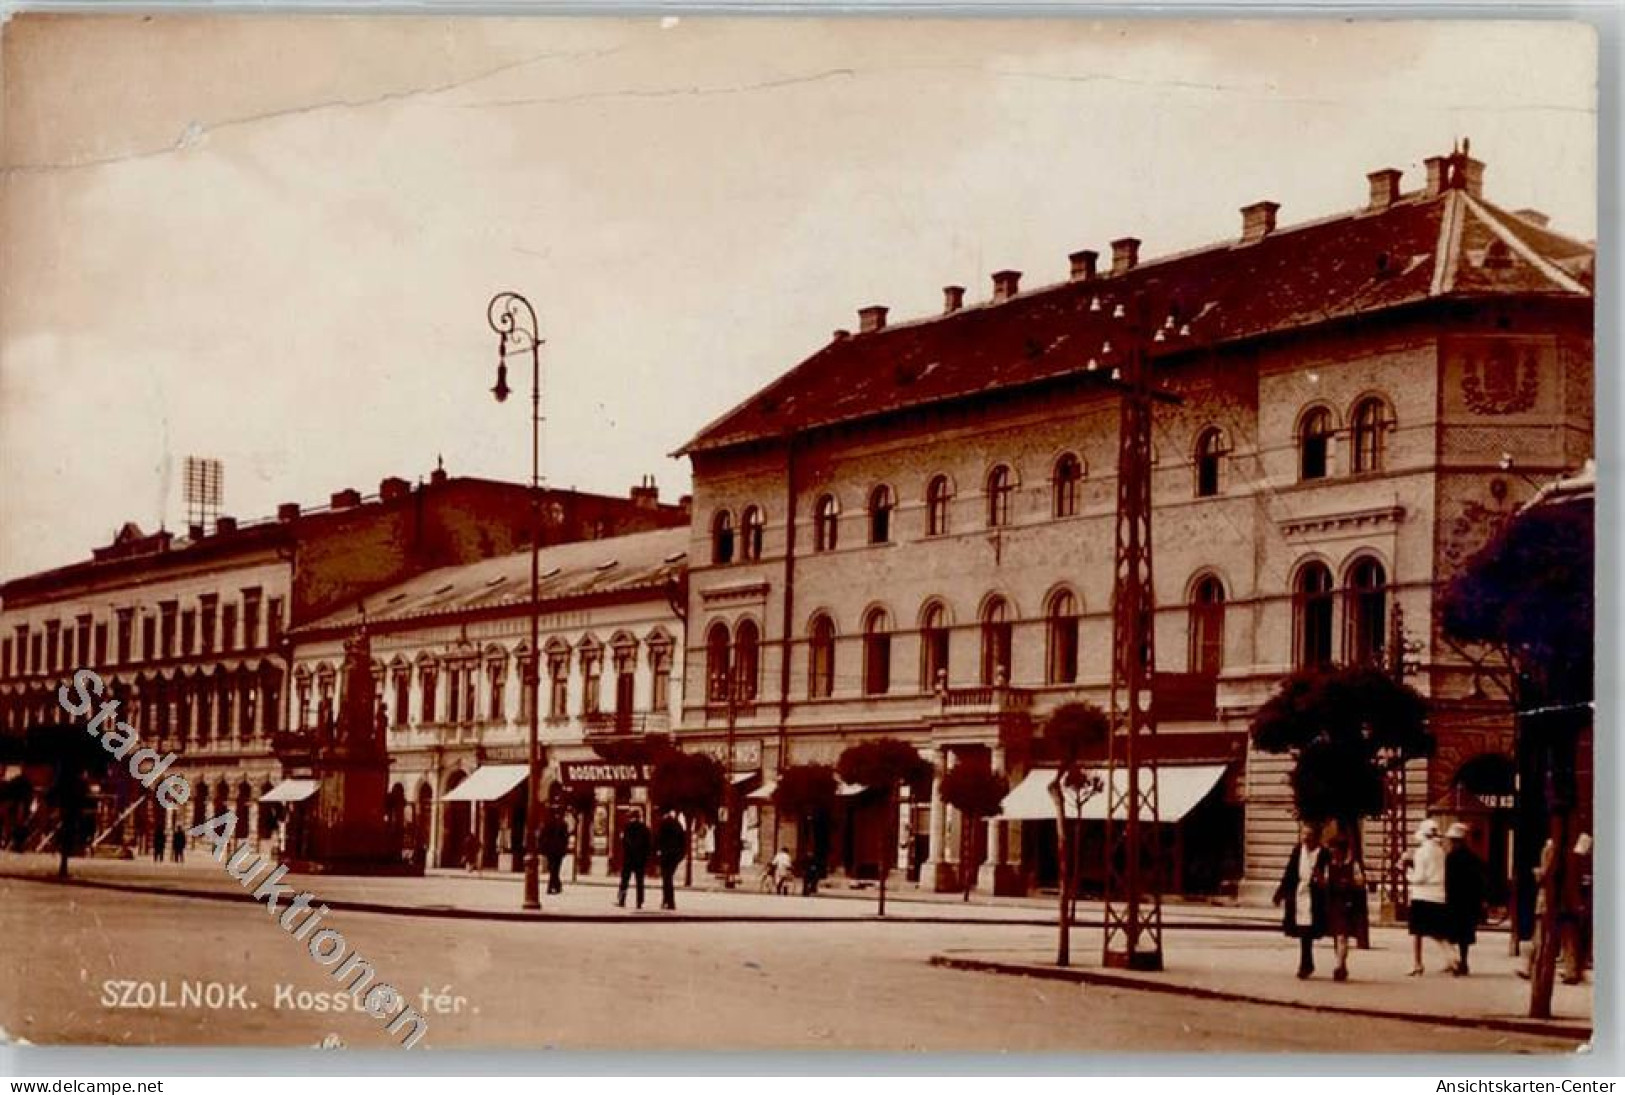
(602, 724)
(989, 699)
(984, 715)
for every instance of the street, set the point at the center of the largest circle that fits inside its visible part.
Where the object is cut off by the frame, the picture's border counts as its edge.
(102, 967)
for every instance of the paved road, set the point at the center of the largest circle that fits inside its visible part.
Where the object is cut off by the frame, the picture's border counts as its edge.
(637, 984)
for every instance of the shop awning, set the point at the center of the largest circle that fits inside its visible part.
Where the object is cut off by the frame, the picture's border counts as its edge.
(291, 790)
(847, 790)
(764, 793)
(488, 782)
(1178, 792)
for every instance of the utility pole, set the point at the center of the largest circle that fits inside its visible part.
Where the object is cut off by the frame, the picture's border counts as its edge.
(1396, 821)
(1133, 912)
(729, 843)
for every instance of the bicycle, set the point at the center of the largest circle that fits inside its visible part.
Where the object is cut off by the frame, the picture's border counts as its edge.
(770, 882)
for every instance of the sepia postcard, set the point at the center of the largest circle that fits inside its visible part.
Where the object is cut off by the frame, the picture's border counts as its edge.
(841, 534)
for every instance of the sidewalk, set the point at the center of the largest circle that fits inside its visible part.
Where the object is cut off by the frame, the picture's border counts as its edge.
(496, 895)
(1258, 968)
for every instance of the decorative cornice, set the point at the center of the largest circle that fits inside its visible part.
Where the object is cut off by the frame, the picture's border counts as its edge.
(735, 594)
(1307, 524)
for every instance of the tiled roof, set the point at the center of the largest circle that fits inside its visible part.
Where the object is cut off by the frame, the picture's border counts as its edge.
(1449, 244)
(614, 565)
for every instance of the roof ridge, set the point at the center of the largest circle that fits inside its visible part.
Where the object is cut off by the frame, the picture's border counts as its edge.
(1534, 258)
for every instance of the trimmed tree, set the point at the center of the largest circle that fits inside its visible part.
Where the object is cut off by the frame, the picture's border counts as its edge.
(806, 792)
(974, 789)
(695, 786)
(884, 764)
(1342, 727)
(1527, 598)
(1071, 733)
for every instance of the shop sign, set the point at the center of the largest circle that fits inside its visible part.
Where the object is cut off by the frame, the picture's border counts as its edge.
(747, 753)
(603, 773)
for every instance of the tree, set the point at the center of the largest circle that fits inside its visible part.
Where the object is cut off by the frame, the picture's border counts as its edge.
(1072, 733)
(692, 784)
(885, 764)
(1342, 727)
(581, 799)
(974, 789)
(1528, 597)
(806, 792)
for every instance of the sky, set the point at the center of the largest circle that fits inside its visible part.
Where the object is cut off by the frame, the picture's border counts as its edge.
(271, 240)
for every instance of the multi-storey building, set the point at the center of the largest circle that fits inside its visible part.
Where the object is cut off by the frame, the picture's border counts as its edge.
(451, 650)
(191, 634)
(911, 532)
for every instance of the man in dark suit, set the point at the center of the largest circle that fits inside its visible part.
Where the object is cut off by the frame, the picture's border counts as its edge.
(671, 845)
(1302, 892)
(635, 842)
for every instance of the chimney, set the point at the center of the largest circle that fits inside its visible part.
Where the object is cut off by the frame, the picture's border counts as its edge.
(1438, 169)
(194, 532)
(646, 495)
(841, 334)
(1473, 175)
(953, 299)
(344, 499)
(1533, 216)
(394, 487)
(287, 511)
(1258, 220)
(1125, 254)
(1083, 265)
(223, 525)
(1006, 284)
(439, 475)
(872, 318)
(1384, 189)
(686, 505)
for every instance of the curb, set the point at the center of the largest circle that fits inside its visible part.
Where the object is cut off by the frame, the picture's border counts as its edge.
(449, 912)
(1555, 1029)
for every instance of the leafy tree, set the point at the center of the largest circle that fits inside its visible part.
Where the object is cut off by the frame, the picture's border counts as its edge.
(694, 785)
(1528, 599)
(806, 792)
(885, 764)
(1343, 727)
(1072, 733)
(974, 789)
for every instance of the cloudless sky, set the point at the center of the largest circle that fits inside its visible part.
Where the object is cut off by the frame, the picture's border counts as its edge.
(271, 240)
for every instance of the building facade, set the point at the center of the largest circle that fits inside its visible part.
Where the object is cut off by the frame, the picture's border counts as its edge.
(911, 533)
(451, 649)
(191, 634)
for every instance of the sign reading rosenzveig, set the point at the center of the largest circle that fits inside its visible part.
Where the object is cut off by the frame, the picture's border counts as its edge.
(605, 773)
(327, 947)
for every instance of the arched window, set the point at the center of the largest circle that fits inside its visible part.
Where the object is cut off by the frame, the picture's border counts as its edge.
(937, 494)
(1061, 625)
(881, 503)
(716, 661)
(722, 537)
(933, 647)
(1315, 444)
(1000, 486)
(1371, 426)
(821, 657)
(826, 523)
(1207, 627)
(751, 525)
(997, 639)
(1313, 605)
(1210, 450)
(876, 653)
(747, 659)
(1366, 606)
(1064, 486)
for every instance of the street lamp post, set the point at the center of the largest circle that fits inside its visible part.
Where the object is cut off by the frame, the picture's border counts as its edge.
(514, 321)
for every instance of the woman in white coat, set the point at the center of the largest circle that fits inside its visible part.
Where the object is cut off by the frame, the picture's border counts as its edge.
(1429, 915)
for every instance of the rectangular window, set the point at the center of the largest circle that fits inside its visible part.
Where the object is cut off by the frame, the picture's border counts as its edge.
(82, 633)
(22, 651)
(5, 657)
(427, 715)
(228, 627)
(101, 642)
(660, 691)
(126, 634)
(591, 669)
(166, 630)
(498, 694)
(273, 621)
(403, 691)
(559, 690)
(206, 612)
(251, 618)
(149, 637)
(53, 634)
(188, 631)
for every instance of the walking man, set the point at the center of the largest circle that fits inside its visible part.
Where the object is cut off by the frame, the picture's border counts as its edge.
(671, 844)
(634, 855)
(178, 845)
(160, 837)
(555, 844)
